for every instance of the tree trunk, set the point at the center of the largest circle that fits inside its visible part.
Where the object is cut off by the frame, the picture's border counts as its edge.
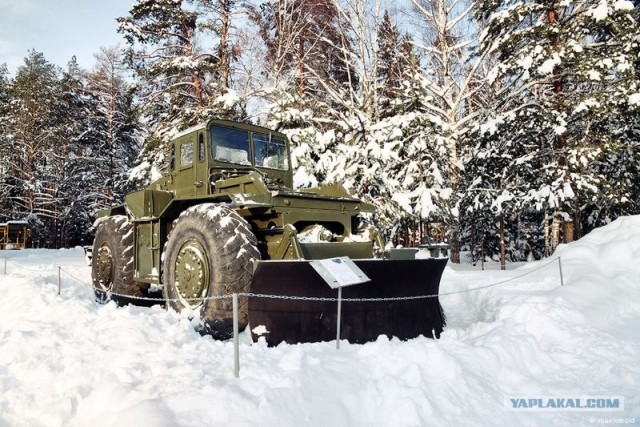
(225, 18)
(301, 85)
(547, 239)
(503, 261)
(482, 251)
(454, 243)
(555, 233)
(187, 33)
(568, 230)
(577, 221)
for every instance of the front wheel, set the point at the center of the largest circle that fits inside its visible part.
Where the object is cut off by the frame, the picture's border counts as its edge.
(209, 255)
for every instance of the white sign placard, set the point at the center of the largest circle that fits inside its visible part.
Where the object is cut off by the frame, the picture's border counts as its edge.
(339, 272)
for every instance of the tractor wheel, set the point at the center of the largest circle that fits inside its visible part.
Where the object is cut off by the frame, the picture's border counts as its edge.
(210, 252)
(112, 262)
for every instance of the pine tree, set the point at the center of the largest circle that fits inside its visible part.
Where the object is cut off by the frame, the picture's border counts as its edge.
(304, 44)
(310, 78)
(179, 82)
(216, 19)
(34, 118)
(162, 50)
(344, 110)
(5, 141)
(420, 168)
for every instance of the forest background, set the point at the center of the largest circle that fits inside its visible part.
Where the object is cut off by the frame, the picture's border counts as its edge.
(483, 122)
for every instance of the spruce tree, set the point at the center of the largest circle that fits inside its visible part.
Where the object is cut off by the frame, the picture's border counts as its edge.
(395, 60)
(564, 71)
(75, 164)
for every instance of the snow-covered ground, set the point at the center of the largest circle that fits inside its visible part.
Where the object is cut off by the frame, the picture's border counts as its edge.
(67, 361)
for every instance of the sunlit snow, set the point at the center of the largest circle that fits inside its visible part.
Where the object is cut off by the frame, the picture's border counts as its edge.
(68, 361)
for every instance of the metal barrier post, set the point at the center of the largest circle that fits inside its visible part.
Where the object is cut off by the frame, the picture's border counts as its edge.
(560, 267)
(59, 281)
(339, 318)
(236, 348)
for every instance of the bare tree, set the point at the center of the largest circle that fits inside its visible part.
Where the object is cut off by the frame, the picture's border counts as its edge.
(448, 36)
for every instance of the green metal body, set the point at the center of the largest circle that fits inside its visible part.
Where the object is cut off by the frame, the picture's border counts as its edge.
(247, 168)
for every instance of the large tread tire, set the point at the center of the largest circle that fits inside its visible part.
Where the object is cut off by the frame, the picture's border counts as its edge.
(112, 266)
(210, 252)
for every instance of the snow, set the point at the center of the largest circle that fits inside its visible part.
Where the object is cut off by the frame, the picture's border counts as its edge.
(315, 234)
(303, 179)
(548, 66)
(525, 62)
(491, 126)
(586, 104)
(229, 99)
(623, 5)
(559, 129)
(601, 11)
(594, 75)
(68, 361)
(260, 330)
(403, 201)
(187, 131)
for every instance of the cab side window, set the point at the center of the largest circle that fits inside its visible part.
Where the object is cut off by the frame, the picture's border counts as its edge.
(186, 153)
(200, 147)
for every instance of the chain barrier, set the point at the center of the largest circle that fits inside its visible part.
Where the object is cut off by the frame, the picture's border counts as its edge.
(502, 282)
(109, 294)
(140, 298)
(22, 267)
(415, 297)
(288, 297)
(82, 282)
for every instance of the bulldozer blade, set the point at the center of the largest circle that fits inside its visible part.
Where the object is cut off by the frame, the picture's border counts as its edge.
(307, 320)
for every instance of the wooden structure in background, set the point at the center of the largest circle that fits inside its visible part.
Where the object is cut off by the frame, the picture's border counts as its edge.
(14, 235)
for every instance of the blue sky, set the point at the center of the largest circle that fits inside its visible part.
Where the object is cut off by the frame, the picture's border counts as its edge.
(59, 29)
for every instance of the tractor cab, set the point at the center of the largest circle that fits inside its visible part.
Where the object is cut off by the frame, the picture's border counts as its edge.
(220, 149)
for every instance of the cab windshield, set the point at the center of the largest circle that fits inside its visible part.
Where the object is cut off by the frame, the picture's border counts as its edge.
(270, 152)
(248, 148)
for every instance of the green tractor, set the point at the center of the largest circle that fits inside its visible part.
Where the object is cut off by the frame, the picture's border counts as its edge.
(225, 219)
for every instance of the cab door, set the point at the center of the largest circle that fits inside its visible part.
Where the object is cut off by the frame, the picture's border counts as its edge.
(184, 173)
(200, 167)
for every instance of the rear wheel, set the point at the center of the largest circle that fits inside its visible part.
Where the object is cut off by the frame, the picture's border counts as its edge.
(210, 252)
(112, 261)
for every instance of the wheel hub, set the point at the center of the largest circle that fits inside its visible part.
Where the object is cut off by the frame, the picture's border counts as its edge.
(191, 273)
(104, 267)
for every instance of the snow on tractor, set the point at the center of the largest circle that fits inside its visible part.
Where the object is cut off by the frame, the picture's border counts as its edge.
(224, 219)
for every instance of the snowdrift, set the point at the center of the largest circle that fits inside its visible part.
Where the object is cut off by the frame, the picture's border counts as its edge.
(67, 361)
